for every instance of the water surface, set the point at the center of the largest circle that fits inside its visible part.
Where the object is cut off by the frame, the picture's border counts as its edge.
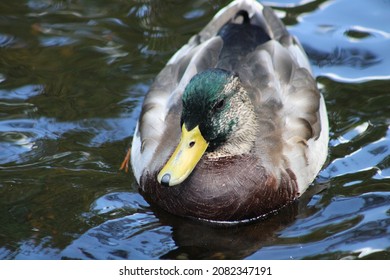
(73, 75)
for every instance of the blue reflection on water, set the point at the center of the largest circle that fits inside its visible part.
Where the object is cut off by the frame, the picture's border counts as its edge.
(21, 136)
(338, 56)
(367, 157)
(347, 226)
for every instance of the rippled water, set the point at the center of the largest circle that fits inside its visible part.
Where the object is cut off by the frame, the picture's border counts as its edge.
(73, 75)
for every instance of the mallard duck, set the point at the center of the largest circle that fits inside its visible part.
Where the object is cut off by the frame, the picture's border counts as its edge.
(233, 127)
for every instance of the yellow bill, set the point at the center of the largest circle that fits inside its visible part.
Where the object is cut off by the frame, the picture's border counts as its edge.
(184, 159)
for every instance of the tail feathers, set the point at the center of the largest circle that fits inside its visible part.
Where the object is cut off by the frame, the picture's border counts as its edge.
(245, 17)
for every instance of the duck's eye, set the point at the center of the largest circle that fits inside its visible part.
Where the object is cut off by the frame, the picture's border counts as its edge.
(219, 105)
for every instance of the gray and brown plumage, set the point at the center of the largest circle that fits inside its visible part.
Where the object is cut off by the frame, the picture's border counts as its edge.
(234, 126)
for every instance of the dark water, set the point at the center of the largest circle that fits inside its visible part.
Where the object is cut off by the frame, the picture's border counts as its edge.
(73, 75)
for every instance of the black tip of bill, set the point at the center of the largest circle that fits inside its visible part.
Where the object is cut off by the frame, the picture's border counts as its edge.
(165, 180)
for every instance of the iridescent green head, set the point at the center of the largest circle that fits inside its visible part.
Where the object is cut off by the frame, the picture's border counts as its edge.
(207, 103)
(215, 108)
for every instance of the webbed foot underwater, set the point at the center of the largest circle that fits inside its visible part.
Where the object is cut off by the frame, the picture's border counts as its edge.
(233, 127)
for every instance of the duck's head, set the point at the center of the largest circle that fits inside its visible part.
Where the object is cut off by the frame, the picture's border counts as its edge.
(217, 116)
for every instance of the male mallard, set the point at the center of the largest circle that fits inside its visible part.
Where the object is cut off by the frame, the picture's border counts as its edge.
(233, 127)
